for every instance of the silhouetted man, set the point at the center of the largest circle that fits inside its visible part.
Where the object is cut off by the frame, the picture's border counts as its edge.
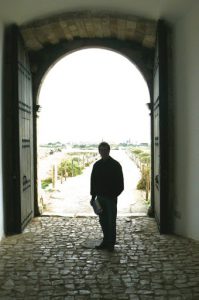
(107, 184)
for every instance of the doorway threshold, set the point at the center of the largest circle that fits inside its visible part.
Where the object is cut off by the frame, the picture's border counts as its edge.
(83, 215)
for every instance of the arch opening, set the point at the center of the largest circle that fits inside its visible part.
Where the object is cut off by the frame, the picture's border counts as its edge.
(100, 95)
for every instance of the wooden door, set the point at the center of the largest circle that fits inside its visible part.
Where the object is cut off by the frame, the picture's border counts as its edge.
(160, 130)
(18, 135)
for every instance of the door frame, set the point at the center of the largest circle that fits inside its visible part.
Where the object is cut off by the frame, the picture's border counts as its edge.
(161, 62)
(130, 51)
(42, 60)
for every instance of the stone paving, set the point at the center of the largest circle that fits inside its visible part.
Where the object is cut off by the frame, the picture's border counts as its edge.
(54, 258)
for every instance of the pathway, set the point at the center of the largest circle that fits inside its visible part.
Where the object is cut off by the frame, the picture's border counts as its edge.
(72, 197)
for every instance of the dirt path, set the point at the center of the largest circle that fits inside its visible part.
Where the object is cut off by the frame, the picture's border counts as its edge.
(72, 197)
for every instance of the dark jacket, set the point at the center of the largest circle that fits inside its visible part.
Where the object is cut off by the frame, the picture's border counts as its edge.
(107, 178)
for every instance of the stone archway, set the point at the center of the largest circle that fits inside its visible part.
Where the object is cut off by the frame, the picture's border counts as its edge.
(81, 25)
(90, 95)
(50, 39)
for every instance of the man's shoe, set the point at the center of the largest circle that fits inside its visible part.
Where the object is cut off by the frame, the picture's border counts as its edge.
(102, 246)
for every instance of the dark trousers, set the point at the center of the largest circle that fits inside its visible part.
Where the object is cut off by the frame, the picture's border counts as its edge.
(107, 219)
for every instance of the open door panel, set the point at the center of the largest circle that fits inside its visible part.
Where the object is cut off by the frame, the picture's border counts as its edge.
(18, 135)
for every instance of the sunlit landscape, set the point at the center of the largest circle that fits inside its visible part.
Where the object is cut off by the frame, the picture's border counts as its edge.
(87, 97)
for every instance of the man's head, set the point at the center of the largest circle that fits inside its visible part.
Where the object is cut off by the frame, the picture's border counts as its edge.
(104, 150)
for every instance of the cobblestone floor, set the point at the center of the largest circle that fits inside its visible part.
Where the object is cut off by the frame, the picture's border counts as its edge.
(55, 259)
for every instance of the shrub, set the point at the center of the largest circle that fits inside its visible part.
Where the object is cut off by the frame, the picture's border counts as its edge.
(142, 184)
(45, 182)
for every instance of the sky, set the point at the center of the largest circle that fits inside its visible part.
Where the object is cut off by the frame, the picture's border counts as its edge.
(92, 95)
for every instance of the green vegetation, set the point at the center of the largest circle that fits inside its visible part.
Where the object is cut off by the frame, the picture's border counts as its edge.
(75, 163)
(71, 165)
(69, 168)
(142, 158)
(45, 182)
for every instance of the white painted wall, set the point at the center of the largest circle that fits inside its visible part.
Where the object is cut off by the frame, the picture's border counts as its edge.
(186, 86)
(1, 175)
